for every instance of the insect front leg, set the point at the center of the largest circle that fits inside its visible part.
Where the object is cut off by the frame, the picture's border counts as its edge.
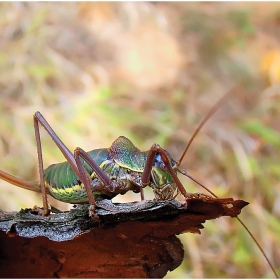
(146, 176)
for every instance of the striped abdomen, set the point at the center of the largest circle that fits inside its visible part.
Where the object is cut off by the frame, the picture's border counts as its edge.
(64, 185)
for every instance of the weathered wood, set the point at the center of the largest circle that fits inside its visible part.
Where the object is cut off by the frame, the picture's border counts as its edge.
(132, 240)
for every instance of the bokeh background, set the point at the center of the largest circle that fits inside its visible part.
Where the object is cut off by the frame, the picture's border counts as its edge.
(150, 72)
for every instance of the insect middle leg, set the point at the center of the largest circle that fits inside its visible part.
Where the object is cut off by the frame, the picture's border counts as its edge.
(85, 178)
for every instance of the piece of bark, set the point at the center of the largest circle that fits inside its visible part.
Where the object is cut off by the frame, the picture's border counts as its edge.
(132, 240)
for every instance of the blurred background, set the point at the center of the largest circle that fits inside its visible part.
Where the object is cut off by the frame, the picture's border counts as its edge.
(151, 72)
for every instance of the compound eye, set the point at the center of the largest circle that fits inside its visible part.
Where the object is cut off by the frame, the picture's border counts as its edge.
(157, 160)
(163, 167)
(159, 163)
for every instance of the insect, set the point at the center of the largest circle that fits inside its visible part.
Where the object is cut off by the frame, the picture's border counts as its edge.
(105, 173)
(102, 173)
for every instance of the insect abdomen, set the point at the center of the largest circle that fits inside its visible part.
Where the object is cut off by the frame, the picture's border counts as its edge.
(64, 185)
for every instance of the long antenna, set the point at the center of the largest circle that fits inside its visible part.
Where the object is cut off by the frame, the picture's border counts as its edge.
(207, 117)
(245, 227)
(261, 249)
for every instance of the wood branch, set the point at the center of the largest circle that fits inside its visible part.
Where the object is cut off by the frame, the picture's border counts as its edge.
(132, 240)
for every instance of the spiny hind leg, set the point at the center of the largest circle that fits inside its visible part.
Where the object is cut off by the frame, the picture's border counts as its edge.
(46, 207)
(38, 118)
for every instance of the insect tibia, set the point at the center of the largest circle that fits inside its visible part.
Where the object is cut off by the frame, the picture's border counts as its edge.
(19, 182)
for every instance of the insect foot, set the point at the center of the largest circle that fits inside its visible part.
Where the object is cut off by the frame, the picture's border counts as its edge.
(91, 210)
(40, 211)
